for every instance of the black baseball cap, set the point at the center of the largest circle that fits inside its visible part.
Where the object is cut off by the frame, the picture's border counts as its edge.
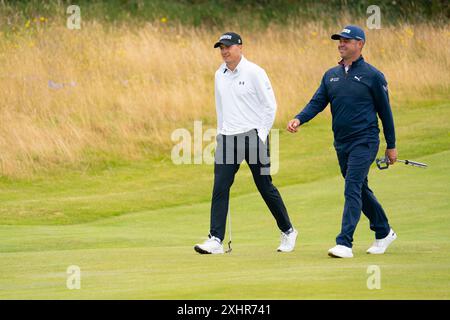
(228, 39)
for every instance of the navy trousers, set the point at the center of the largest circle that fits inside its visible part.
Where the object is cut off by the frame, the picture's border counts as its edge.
(230, 152)
(355, 159)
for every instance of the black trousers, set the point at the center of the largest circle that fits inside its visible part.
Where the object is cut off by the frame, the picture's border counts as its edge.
(230, 152)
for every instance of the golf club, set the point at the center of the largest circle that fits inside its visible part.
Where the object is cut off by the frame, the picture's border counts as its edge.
(384, 163)
(229, 228)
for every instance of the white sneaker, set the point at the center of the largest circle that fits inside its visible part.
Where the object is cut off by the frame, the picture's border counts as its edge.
(380, 245)
(288, 241)
(212, 245)
(340, 251)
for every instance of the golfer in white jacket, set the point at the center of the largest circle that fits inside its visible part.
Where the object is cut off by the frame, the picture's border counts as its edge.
(246, 108)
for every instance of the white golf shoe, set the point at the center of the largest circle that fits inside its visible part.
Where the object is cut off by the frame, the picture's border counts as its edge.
(340, 251)
(380, 245)
(288, 241)
(212, 245)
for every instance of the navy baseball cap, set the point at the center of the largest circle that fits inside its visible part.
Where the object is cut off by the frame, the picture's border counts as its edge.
(350, 32)
(228, 39)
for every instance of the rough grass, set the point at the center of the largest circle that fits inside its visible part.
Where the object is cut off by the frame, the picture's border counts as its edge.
(105, 93)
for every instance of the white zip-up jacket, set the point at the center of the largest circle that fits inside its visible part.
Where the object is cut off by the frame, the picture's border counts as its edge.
(244, 100)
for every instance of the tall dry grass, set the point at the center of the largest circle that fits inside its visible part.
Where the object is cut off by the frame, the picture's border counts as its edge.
(70, 96)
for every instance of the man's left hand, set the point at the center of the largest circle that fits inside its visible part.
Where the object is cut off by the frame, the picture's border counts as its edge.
(391, 154)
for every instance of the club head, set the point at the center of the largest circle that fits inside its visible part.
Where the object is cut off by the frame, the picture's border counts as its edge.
(229, 247)
(382, 163)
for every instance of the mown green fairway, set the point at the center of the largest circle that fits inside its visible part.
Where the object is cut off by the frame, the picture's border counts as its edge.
(148, 254)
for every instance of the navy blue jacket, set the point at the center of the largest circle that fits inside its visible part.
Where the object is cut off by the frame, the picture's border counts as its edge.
(356, 98)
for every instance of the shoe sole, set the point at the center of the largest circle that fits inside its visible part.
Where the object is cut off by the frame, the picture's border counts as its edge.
(278, 250)
(333, 256)
(201, 251)
(336, 256)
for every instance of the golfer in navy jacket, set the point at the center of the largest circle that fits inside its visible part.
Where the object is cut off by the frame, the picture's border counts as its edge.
(357, 92)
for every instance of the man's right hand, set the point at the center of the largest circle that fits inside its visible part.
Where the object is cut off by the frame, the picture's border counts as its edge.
(293, 125)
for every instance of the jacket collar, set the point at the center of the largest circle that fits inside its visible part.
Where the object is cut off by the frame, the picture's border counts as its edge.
(238, 67)
(354, 63)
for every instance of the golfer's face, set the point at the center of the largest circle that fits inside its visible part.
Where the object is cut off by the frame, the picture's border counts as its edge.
(231, 53)
(349, 47)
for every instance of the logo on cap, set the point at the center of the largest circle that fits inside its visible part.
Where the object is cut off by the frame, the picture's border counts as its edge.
(350, 32)
(228, 39)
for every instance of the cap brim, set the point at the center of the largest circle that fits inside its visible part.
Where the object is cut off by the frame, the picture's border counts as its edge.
(338, 36)
(224, 42)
